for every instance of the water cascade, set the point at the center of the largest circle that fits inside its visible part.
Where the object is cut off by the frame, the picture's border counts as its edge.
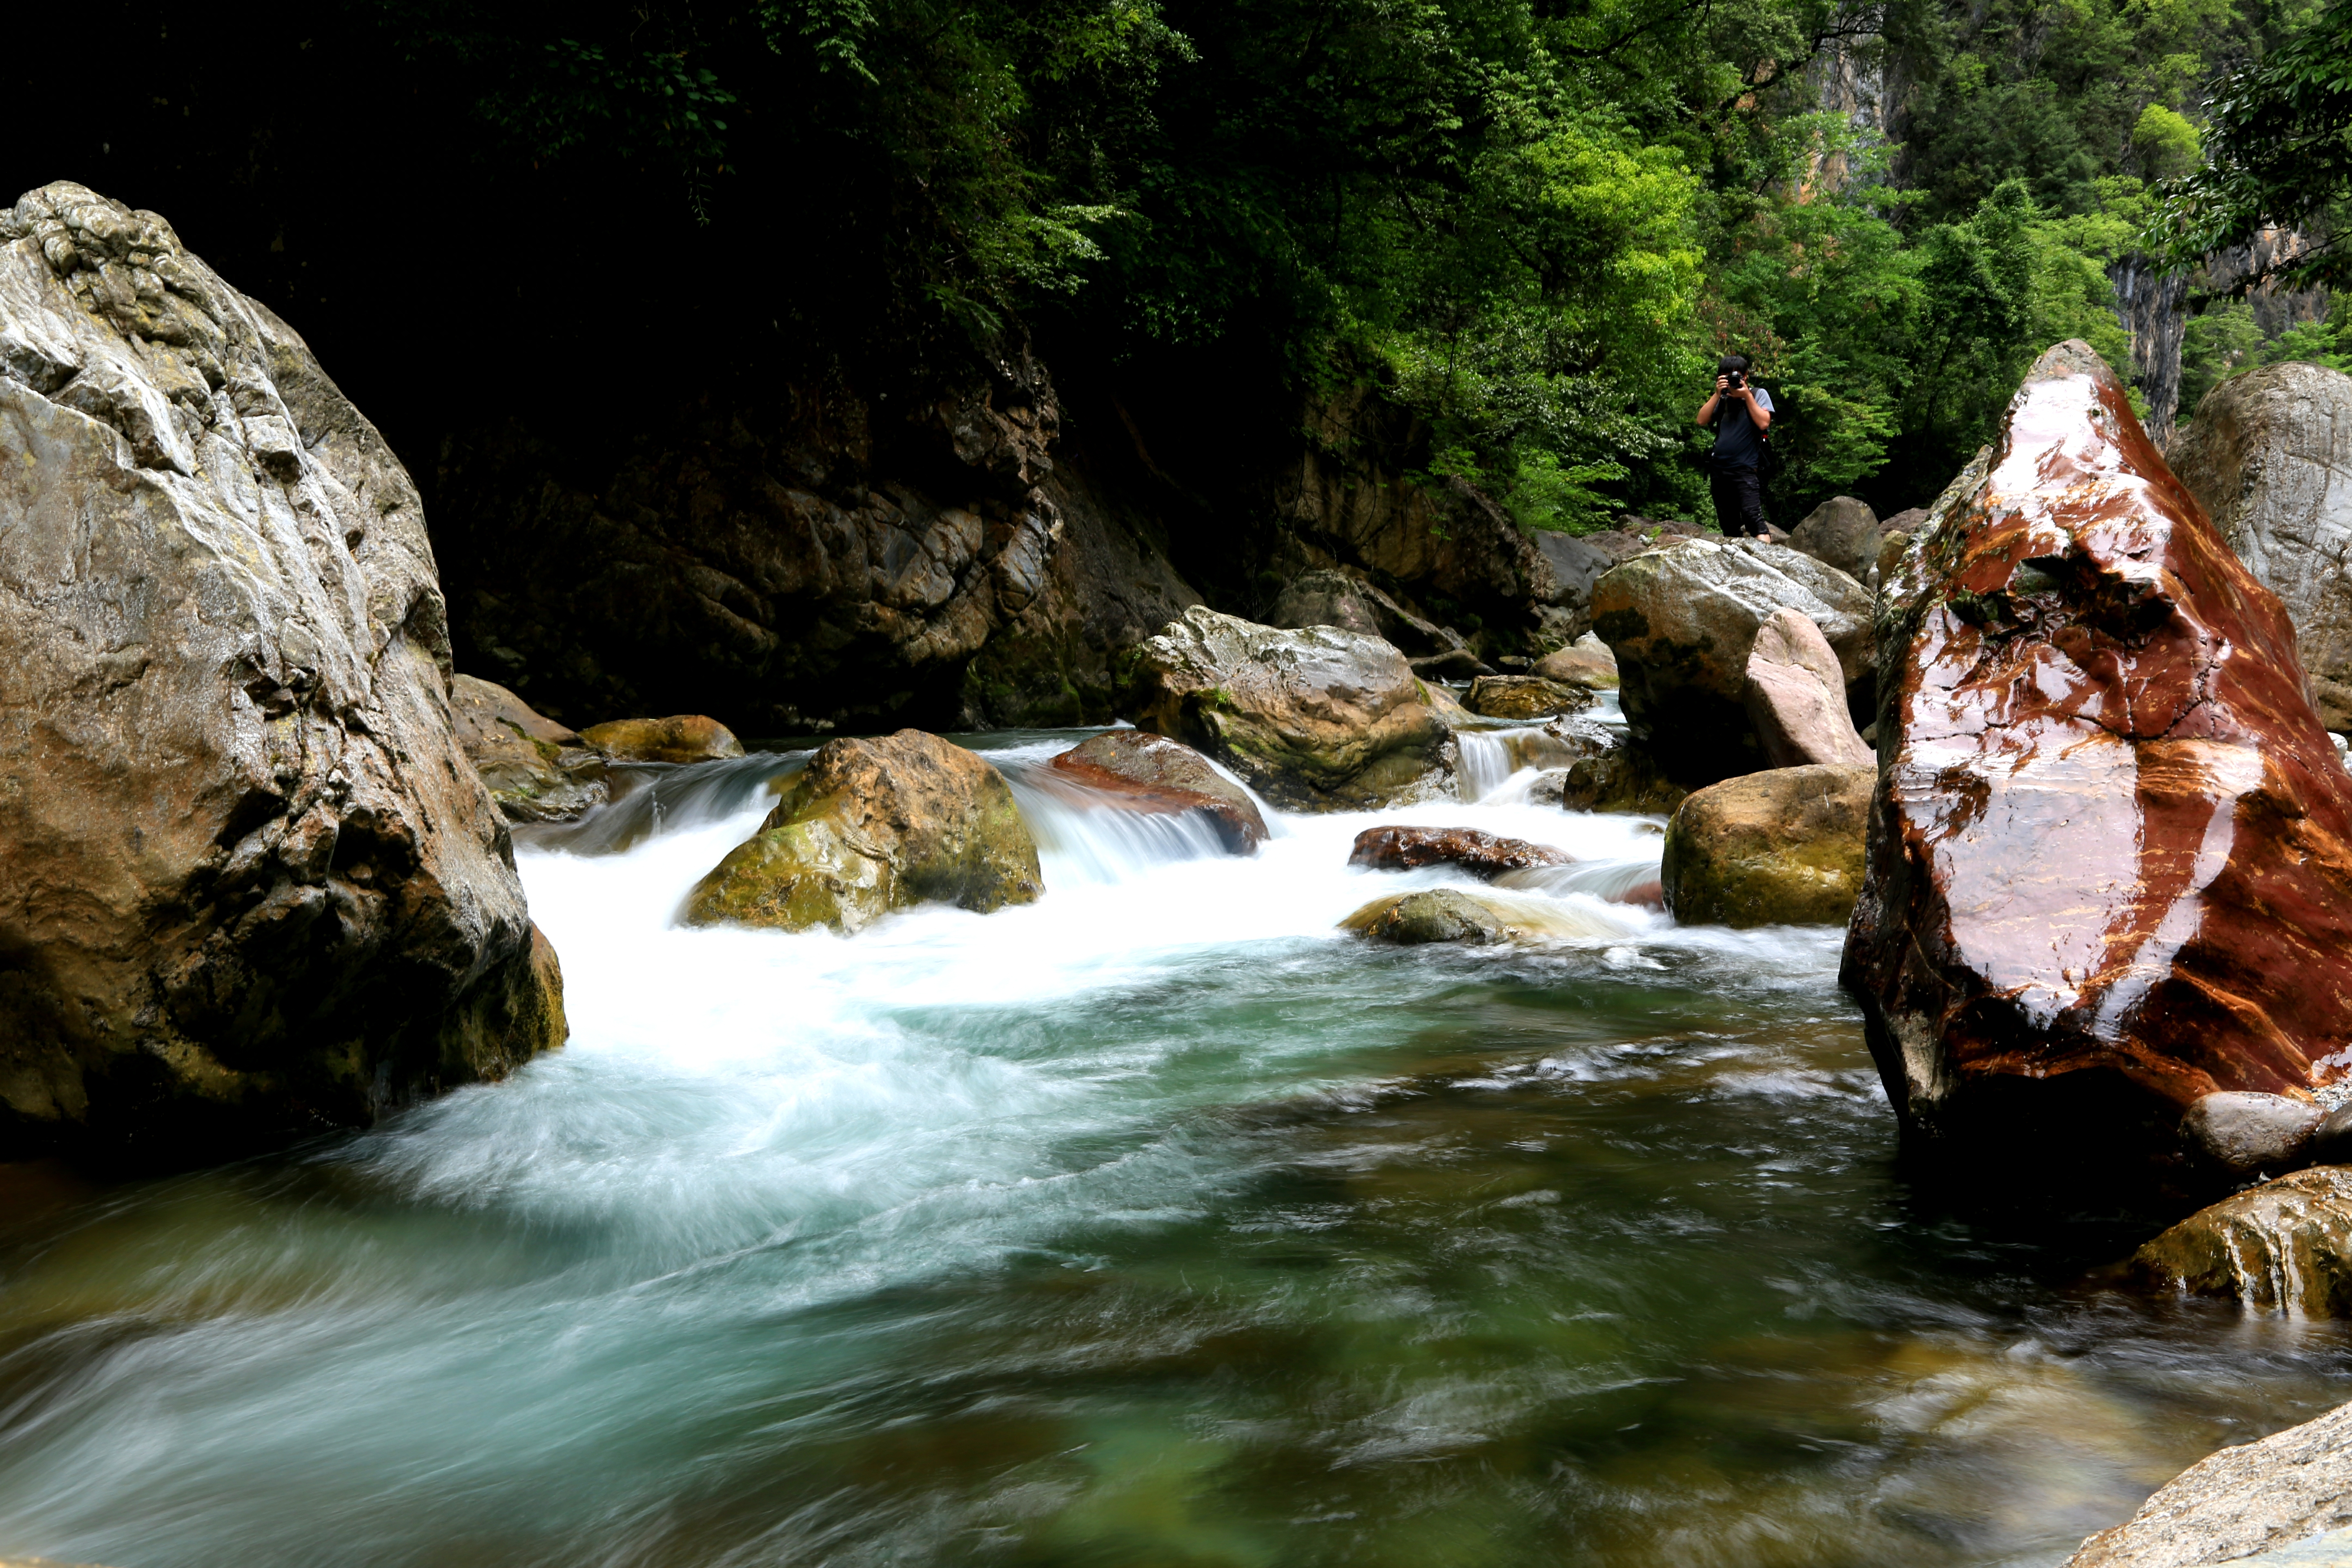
(1157, 1222)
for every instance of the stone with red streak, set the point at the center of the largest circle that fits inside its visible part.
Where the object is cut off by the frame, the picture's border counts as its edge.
(1146, 773)
(1482, 854)
(2110, 862)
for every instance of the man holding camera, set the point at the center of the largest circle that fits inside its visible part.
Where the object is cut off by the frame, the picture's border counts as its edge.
(1740, 413)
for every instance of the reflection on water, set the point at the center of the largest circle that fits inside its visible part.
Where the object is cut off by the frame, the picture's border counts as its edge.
(1152, 1223)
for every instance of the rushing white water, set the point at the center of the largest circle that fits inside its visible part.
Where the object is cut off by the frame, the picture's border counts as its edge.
(1157, 1221)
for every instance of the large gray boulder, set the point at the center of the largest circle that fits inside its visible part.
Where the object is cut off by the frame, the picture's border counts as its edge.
(1841, 532)
(2269, 457)
(253, 888)
(2262, 1497)
(1682, 620)
(1796, 697)
(1315, 719)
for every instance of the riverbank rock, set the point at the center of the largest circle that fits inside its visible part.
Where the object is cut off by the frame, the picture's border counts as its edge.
(1682, 619)
(1482, 854)
(1841, 532)
(253, 888)
(2283, 1247)
(1586, 662)
(873, 826)
(2261, 1497)
(2111, 869)
(1524, 698)
(683, 738)
(1315, 719)
(1779, 848)
(2269, 457)
(1152, 773)
(536, 770)
(1795, 697)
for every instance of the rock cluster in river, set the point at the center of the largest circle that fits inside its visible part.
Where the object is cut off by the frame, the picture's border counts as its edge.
(2110, 872)
(872, 826)
(253, 888)
(1150, 773)
(1315, 719)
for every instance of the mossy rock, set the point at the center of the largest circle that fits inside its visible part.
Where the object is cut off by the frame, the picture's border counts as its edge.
(1779, 848)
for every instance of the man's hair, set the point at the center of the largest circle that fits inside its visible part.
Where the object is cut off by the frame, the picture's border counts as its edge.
(1730, 363)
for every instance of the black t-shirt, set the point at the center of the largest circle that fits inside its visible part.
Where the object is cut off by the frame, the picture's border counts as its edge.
(1737, 443)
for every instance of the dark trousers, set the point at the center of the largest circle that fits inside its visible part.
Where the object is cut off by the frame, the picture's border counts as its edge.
(1739, 501)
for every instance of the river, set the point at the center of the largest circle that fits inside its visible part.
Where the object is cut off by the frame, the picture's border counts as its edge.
(1155, 1223)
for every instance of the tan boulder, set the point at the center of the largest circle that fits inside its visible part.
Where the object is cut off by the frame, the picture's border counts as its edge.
(873, 826)
(1585, 662)
(536, 770)
(681, 738)
(1796, 696)
(2282, 1247)
(1779, 848)
(1476, 919)
(1524, 697)
(1315, 719)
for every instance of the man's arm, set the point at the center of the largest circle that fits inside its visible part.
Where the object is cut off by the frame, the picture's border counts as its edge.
(1759, 410)
(1705, 415)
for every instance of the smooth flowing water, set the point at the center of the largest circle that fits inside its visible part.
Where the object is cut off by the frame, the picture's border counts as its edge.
(1155, 1223)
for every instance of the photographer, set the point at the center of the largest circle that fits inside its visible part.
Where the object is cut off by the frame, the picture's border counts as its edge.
(1740, 413)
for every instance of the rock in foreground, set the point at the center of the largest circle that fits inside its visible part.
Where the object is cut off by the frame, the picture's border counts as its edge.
(682, 738)
(536, 770)
(2283, 1247)
(1152, 773)
(2257, 1497)
(2267, 456)
(1481, 854)
(1795, 697)
(873, 826)
(1476, 919)
(2111, 872)
(1682, 620)
(253, 888)
(1779, 848)
(1315, 719)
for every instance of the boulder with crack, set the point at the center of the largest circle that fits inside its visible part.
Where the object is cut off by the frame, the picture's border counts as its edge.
(1315, 719)
(2110, 868)
(253, 887)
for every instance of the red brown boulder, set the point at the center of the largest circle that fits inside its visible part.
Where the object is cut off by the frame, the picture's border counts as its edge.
(1482, 855)
(1151, 774)
(2109, 868)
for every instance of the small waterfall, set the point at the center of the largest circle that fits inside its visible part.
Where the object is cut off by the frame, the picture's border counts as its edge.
(650, 799)
(1610, 879)
(1494, 760)
(1091, 835)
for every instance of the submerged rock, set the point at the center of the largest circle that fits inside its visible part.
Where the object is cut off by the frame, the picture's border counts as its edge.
(2254, 1497)
(682, 738)
(1481, 854)
(2267, 456)
(1482, 918)
(2283, 1247)
(536, 770)
(1795, 697)
(2111, 872)
(1524, 697)
(1682, 620)
(1779, 848)
(1316, 720)
(252, 888)
(1152, 773)
(1841, 532)
(873, 826)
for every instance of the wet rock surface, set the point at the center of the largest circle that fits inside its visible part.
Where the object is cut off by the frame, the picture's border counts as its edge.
(2257, 1497)
(2109, 874)
(1842, 532)
(1682, 619)
(2269, 455)
(1480, 853)
(682, 738)
(1795, 696)
(1524, 698)
(873, 826)
(253, 888)
(1779, 848)
(1315, 719)
(536, 770)
(1585, 662)
(1472, 920)
(2282, 1247)
(1622, 779)
(1150, 772)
